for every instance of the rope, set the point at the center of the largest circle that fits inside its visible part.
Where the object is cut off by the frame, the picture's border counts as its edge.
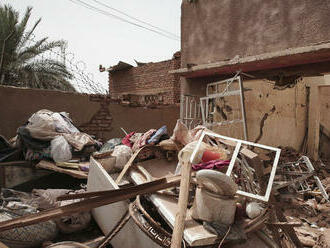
(224, 237)
(116, 229)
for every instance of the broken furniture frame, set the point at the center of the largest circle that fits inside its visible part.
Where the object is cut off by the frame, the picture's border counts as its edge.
(317, 179)
(264, 198)
(204, 101)
(303, 175)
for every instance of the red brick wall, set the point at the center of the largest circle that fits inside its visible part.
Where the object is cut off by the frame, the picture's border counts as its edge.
(151, 79)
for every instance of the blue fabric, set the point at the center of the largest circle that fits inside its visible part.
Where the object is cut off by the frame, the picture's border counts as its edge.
(159, 133)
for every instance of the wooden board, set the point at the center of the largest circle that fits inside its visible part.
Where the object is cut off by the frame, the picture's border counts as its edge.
(90, 201)
(313, 122)
(43, 164)
(314, 117)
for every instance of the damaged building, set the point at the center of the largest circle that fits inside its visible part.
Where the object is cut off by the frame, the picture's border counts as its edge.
(281, 50)
(147, 84)
(224, 145)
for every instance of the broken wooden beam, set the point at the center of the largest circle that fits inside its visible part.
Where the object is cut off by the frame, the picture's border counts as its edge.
(180, 216)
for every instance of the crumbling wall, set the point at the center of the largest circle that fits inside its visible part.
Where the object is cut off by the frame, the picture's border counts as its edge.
(215, 30)
(150, 81)
(18, 104)
(274, 117)
(94, 114)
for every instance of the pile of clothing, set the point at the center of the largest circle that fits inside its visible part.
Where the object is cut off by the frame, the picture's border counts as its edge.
(52, 135)
(123, 149)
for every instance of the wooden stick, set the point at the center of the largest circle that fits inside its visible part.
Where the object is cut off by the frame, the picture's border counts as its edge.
(183, 202)
(88, 204)
(116, 192)
(19, 163)
(128, 165)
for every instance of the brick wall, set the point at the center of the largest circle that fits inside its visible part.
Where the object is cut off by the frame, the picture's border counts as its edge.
(101, 121)
(147, 84)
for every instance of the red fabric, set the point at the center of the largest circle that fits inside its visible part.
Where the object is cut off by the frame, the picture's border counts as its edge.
(210, 155)
(126, 140)
(213, 164)
(142, 141)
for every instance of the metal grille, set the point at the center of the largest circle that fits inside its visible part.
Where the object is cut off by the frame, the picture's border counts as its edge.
(223, 106)
(190, 111)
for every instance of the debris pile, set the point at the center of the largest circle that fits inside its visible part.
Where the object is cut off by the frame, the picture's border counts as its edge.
(193, 188)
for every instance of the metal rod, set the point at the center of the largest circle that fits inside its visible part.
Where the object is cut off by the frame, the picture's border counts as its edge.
(243, 107)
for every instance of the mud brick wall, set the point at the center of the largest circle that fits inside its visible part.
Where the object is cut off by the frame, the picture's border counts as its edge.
(216, 30)
(101, 121)
(275, 116)
(151, 79)
(94, 114)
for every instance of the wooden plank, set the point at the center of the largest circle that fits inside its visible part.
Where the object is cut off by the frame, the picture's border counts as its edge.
(85, 205)
(282, 224)
(2, 245)
(183, 202)
(20, 163)
(43, 164)
(128, 165)
(313, 122)
(248, 153)
(289, 231)
(273, 229)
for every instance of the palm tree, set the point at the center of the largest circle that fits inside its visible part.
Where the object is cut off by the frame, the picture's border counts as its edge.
(21, 59)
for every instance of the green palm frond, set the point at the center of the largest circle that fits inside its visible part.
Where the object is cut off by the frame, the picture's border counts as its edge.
(21, 62)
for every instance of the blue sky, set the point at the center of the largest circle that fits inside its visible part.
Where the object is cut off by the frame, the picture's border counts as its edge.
(98, 39)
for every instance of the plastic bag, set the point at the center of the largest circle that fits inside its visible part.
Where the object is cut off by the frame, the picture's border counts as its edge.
(181, 133)
(60, 149)
(122, 154)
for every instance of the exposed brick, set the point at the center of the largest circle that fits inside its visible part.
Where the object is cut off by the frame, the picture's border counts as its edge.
(102, 120)
(146, 84)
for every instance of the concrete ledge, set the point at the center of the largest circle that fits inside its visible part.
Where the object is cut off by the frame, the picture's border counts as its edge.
(285, 58)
